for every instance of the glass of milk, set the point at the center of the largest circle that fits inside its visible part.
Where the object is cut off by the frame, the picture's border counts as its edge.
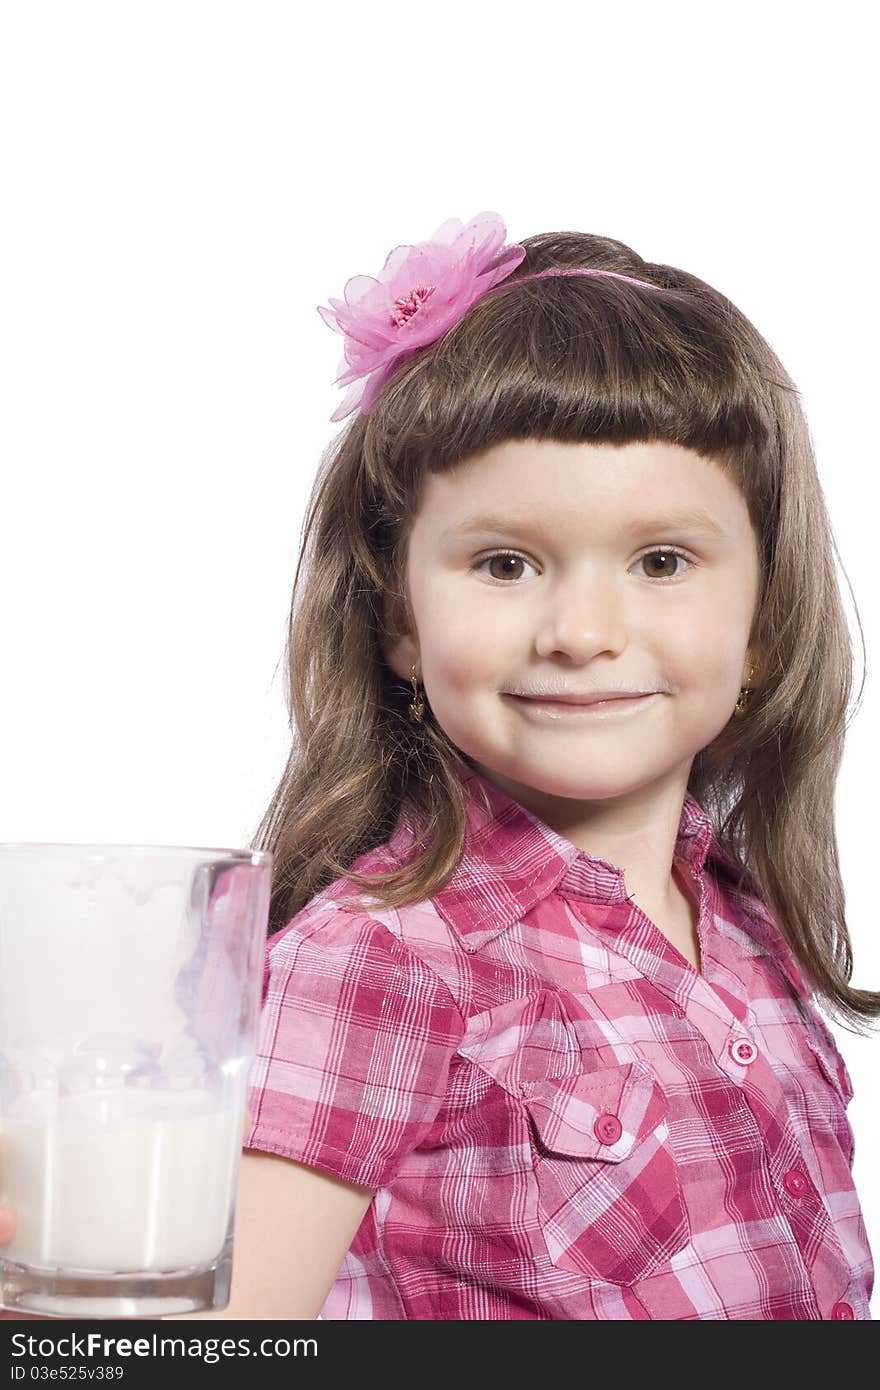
(130, 990)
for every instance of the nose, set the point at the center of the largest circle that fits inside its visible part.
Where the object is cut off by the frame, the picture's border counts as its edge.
(583, 618)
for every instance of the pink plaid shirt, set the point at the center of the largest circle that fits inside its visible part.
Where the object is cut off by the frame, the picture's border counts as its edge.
(560, 1116)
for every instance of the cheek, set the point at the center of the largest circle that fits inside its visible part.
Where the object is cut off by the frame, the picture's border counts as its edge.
(705, 644)
(708, 652)
(458, 633)
(460, 663)
(712, 667)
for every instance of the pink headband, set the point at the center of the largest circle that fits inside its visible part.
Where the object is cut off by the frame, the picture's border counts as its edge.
(585, 270)
(420, 293)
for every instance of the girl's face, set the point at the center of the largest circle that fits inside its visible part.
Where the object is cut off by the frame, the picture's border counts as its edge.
(632, 566)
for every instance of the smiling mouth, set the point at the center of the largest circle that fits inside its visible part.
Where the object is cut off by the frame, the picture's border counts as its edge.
(612, 705)
(586, 704)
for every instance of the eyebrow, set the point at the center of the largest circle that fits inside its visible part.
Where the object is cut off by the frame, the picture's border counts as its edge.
(692, 519)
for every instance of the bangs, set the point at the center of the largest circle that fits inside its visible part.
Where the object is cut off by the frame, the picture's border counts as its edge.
(586, 359)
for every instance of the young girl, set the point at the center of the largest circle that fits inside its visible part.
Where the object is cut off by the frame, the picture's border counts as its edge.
(555, 865)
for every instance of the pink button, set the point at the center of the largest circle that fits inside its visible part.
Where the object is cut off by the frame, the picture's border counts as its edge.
(794, 1182)
(608, 1129)
(743, 1051)
(842, 1310)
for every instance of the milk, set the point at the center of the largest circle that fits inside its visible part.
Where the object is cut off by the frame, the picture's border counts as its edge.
(120, 1179)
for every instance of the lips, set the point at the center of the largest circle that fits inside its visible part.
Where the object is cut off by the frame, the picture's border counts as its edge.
(598, 710)
(583, 704)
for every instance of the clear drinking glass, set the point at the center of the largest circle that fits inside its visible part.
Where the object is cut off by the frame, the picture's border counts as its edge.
(130, 990)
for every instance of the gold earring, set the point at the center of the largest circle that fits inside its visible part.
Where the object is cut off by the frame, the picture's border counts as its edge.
(745, 692)
(417, 706)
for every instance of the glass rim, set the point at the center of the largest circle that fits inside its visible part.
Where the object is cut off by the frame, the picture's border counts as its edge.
(106, 849)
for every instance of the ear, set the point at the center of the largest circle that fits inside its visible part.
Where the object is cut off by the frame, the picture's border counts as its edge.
(399, 647)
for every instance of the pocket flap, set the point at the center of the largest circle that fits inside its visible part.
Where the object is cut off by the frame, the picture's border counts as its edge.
(598, 1114)
(833, 1068)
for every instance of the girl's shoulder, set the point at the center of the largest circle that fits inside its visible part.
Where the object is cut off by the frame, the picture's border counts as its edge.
(342, 904)
(345, 917)
(345, 932)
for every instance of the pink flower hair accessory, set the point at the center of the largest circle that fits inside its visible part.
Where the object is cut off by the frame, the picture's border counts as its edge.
(420, 292)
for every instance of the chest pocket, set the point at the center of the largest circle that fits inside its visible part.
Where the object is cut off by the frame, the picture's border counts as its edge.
(610, 1204)
(829, 1087)
(830, 1062)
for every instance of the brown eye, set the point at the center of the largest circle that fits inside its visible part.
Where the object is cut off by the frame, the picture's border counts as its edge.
(661, 564)
(504, 566)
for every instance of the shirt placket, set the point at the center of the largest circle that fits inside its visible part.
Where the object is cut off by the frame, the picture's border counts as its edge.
(629, 931)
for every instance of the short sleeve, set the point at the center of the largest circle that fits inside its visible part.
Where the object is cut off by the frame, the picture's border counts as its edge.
(355, 1042)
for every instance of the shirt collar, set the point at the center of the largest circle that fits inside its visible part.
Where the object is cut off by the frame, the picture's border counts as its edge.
(512, 860)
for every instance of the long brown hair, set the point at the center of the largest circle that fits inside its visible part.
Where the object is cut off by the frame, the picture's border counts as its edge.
(582, 359)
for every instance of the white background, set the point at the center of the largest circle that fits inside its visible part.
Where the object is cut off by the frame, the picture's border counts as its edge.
(182, 183)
